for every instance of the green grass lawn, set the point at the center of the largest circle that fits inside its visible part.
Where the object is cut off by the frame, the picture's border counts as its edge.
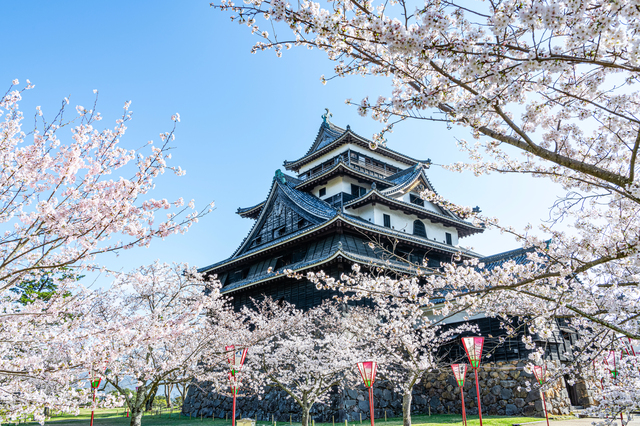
(114, 417)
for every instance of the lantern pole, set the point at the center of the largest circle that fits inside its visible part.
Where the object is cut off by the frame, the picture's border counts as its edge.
(368, 373)
(460, 372)
(94, 386)
(236, 361)
(540, 375)
(473, 348)
(614, 372)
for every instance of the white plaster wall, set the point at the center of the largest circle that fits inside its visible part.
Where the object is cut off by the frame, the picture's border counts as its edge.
(337, 185)
(344, 148)
(427, 204)
(404, 223)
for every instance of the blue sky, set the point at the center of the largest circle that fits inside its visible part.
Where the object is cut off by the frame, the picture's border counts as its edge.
(242, 114)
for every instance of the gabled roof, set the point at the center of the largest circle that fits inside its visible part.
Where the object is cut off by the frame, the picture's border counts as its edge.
(374, 196)
(284, 184)
(329, 138)
(405, 180)
(327, 133)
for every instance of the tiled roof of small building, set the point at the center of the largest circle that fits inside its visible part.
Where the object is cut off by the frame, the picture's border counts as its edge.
(518, 255)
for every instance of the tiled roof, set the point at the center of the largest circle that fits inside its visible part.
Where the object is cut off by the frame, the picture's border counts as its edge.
(356, 221)
(518, 255)
(344, 166)
(330, 133)
(355, 257)
(253, 210)
(327, 133)
(306, 201)
(405, 175)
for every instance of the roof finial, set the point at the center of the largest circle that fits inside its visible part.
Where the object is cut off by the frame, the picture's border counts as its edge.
(326, 116)
(280, 176)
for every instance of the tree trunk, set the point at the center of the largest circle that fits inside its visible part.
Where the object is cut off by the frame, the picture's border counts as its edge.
(152, 397)
(137, 406)
(136, 416)
(305, 414)
(167, 395)
(406, 407)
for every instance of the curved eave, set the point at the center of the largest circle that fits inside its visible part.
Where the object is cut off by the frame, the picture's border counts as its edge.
(272, 194)
(336, 170)
(409, 184)
(348, 137)
(340, 221)
(464, 229)
(251, 212)
(338, 255)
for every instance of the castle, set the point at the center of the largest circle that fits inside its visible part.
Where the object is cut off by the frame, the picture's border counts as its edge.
(344, 202)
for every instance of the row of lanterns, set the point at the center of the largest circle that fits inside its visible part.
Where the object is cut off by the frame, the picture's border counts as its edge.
(368, 369)
(472, 346)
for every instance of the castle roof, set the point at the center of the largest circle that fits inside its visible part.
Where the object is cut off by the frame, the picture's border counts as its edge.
(338, 220)
(331, 136)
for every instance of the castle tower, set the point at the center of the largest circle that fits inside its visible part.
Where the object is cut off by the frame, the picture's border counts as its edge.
(339, 203)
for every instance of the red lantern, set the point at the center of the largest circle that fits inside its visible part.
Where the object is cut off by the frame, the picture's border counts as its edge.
(473, 348)
(611, 361)
(459, 372)
(235, 358)
(368, 372)
(540, 374)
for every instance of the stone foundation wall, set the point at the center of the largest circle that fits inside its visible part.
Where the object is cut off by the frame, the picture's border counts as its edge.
(502, 388)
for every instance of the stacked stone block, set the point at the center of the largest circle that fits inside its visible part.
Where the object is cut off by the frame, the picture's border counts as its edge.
(502, 388)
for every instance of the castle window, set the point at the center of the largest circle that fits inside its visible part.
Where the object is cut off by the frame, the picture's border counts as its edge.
(323, 192)
(387, 220)
(278, 232)
(418, 229)
(416, 200)
(448, 237)
(357, 191)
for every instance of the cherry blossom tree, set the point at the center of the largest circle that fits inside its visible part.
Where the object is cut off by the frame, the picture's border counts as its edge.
(409, 343)
(312, 353)
(159, 320)
(546, 88)
(63, 201)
